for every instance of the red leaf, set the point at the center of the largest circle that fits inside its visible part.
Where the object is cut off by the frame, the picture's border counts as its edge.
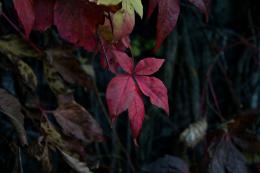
(124, 61)
(25, 12)
(136, 114)
(201, 5)
(107, 55)
(43, 14)
(119, 94)
(77, 22)
(148, 66)
(155, 90)
(167, 17)
(123, 93)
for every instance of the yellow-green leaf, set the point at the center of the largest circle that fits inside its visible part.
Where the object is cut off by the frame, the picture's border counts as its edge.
(108, 2)
(16, 46)
(123, 21)
(138, 6)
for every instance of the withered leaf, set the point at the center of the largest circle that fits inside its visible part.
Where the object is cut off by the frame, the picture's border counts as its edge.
(16, 46)
(27, 74)
(41, 153)
(11, 107)
(226, 157)
(76, 121)
(167, 164)
(75, 164)
(243, 121)
(68, 67)
(55, 82)
(52, 136)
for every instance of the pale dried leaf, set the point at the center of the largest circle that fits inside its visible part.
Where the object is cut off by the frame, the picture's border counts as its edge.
(194, 133)
(75, 164)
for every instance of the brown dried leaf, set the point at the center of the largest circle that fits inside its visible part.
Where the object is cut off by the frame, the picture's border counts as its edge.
(75, 164)
(226, 157)
(76, 121)
(243, 121)
(69, 67)
(41, 154)
(11, 107)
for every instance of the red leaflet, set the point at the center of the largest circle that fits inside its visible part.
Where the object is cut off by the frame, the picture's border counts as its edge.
(25, 13)
(123, 93)
(136, 113)
(124, 61)
(167, 17)
(43, 14)
(168, 13)
(148, 66)
(77, 22)
(119, 94)
(155, 90)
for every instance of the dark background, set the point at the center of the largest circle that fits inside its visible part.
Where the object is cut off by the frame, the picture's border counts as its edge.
(211, 70)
